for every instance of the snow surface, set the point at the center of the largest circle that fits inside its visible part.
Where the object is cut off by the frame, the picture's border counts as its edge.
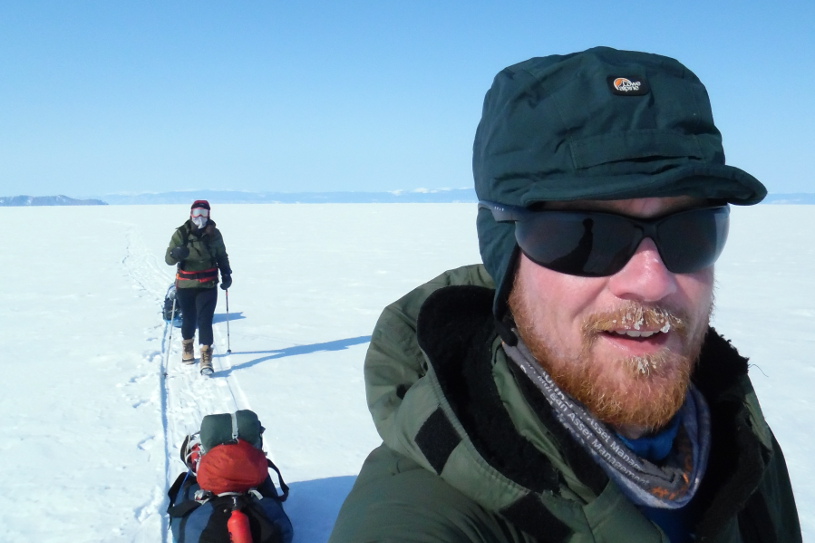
(91, 428)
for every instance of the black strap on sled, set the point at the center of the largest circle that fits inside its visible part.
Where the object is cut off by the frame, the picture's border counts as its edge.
(182, 509)
(187, 506)
(284, 488)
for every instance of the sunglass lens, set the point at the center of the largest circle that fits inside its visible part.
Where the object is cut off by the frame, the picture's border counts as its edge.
(693, 240)
(583, 244)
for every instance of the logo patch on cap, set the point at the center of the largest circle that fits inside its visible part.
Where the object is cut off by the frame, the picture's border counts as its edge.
(628, 86)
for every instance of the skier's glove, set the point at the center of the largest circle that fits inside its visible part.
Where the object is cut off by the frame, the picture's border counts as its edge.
(226, 281)
(180, 253)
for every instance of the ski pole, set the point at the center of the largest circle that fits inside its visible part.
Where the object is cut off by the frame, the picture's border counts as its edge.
(228, 348)
(170, 340)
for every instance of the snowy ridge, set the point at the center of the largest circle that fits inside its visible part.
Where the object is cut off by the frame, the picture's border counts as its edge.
(59, 200)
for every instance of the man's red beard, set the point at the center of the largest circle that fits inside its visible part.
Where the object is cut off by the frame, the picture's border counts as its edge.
(641, 392)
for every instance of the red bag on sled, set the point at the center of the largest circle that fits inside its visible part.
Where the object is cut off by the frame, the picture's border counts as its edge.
(236, 467)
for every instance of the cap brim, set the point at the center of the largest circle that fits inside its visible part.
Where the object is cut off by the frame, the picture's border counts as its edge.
(709, 181)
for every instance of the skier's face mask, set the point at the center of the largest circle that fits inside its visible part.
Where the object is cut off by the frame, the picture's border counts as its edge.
(199, 216)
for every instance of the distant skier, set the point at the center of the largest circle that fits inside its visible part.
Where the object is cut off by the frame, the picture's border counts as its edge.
(198, 249)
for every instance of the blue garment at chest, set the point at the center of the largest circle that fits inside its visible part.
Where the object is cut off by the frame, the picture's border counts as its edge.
(655, 448)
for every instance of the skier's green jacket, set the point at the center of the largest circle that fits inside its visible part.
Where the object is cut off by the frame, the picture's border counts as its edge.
(207, 255)
(472, 452)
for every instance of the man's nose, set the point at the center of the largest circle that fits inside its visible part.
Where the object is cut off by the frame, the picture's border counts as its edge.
(644, 278)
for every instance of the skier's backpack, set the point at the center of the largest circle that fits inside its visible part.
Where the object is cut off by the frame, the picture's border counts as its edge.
(167, 310)
(227, 494)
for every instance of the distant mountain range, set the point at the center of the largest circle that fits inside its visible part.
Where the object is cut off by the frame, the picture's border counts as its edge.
(792, 198)
(47, 201)
(239, 197)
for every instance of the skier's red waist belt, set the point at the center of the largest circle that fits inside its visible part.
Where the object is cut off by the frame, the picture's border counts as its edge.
(204, 276)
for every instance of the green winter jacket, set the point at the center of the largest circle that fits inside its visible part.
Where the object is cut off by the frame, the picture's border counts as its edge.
(473, 453)
(207, 255)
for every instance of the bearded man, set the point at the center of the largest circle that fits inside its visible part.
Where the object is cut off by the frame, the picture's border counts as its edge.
(571, 389)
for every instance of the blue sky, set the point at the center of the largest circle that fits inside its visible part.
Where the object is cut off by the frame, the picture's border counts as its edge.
(101, 97)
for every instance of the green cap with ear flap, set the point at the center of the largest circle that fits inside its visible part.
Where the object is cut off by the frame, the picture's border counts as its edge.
(601, 124)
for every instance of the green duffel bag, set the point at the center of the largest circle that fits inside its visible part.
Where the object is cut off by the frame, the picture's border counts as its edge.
(228, 427)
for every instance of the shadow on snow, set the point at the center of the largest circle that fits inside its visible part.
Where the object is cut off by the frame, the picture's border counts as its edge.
(313, 506)
(221, 317)
(338, 345)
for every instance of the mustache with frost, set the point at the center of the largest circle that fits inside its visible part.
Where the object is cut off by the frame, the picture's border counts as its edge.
(636, 321)
(637, 317)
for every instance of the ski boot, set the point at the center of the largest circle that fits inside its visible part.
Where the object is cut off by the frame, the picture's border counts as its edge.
(187, 356)
(206, 359)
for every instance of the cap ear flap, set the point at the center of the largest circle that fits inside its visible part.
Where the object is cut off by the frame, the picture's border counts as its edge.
(499, 252)
(500, 306)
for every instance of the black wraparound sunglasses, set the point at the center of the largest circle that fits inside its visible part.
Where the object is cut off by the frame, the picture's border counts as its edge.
(598, 244)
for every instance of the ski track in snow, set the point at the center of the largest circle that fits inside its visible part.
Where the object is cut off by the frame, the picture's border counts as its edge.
(185, 396)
